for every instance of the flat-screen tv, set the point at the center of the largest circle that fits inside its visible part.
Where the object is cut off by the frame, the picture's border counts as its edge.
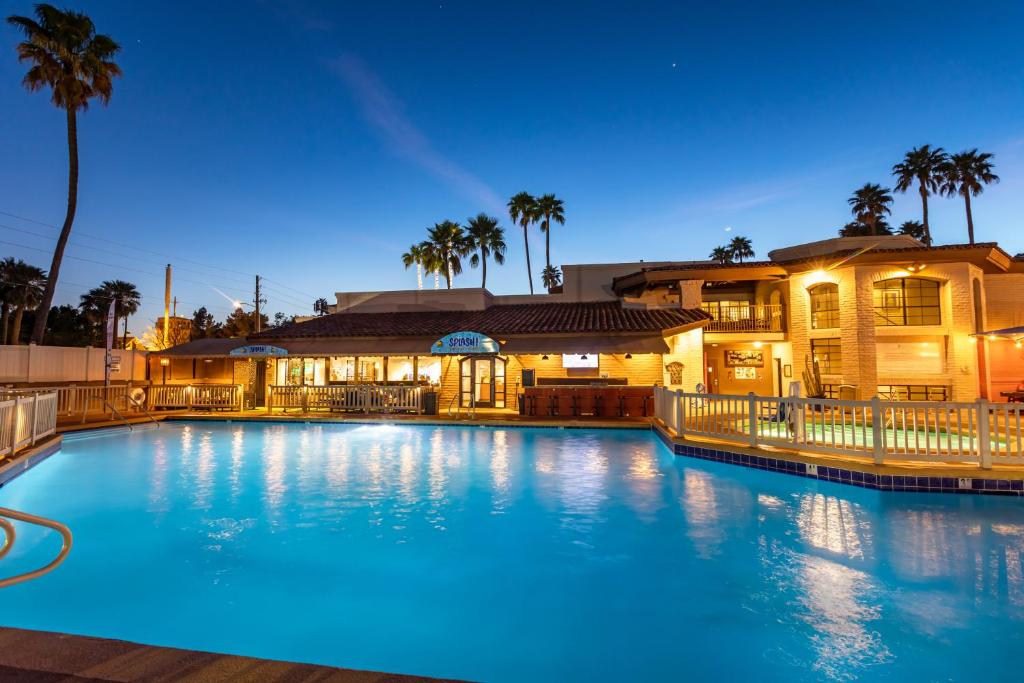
(579, 360)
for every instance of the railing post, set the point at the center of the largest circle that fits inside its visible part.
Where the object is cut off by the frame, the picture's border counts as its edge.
(270, 399)
(877, 425)
(35, 408)
(680, 413)
(984, 440)
(752, 418)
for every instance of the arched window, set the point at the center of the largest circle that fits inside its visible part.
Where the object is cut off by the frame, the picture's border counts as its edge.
(907, 301)
(824, 306)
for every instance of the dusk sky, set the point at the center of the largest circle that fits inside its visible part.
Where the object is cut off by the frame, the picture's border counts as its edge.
(312, 143)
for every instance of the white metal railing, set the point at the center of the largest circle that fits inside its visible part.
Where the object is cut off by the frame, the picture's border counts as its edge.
(931, 431)
(75, 401)
(191, 396)
(743, 317)
(24, 420)
(363, 398)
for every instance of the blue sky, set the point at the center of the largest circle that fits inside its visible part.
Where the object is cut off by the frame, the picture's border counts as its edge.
(312, 143)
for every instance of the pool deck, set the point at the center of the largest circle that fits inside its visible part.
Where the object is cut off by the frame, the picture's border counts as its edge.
(38, 656)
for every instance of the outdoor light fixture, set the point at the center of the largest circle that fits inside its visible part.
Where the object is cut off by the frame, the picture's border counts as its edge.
(629, 355)
(1017, 343)
(583, 357)
(991, 337)
(758, 344)
(973, 340)
(165, 361)
(544, 357)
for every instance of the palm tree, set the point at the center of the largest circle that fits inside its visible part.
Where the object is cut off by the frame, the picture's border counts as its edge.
(7, 282)
(966, 174)
(27, 285)
(69, 57)
(870, 203)
(449, 245)
(487, 238)
(741, 248)
(432, 261)
(522, 209)
(922, 165)
(415, 257)
(549, 208)
(860, 229)
(721, 254)
(551, 277)
(916, 230)
(126, 302)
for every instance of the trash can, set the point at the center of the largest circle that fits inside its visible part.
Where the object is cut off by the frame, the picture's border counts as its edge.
(430, 403)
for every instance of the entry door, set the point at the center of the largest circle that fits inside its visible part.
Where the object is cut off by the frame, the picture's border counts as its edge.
(712, 376)
(261, 384)
(482, 382)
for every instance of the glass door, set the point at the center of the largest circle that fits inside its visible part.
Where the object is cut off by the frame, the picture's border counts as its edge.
(482, 382)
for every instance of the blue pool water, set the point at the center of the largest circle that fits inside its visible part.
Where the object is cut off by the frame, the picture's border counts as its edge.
(514, 555)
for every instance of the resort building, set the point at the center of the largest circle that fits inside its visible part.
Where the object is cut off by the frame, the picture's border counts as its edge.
(866, 315)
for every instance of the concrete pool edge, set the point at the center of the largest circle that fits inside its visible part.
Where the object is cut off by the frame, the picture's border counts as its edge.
(925, 479)
(44, 655)
(28, 459)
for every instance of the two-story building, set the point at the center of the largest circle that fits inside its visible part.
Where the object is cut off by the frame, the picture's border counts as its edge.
(878, 315)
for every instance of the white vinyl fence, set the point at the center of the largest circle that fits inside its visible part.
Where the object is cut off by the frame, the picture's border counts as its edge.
(24, 420)
(362, 398)
(192, 396)
(931, 431)
(85, 401)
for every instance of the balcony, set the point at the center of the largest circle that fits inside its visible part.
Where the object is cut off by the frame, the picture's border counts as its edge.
(731, 317)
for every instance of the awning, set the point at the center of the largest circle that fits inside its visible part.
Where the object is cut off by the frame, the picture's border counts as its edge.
(1014, 333)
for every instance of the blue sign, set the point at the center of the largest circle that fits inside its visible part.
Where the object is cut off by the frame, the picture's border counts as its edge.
(258, 350)
(465, 344)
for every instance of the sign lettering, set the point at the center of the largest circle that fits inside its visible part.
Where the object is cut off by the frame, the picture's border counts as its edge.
(465, 343)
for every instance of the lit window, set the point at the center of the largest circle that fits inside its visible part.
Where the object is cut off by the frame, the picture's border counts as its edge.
(907, 301)
(824, 306)
(912, 392)
(829, 355)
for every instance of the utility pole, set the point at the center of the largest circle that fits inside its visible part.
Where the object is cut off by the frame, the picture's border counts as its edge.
(167, 302)
(258, 302)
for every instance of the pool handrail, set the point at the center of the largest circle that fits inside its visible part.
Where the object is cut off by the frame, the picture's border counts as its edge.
(61, 529)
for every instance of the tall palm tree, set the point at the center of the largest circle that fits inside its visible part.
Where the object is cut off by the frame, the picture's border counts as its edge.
(449, 244)
(126, 299)
(967, 174)
(68, 56)
(415, 257)
(27, 285)
(551, 277)
(741, 248)
(486, 238)
(549, 208)
(7, 282)
(721, 254)
(922, 165)
(869, 204)
(432, 261)
(522, 209)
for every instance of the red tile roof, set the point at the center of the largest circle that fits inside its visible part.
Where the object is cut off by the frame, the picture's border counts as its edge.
(607, 317)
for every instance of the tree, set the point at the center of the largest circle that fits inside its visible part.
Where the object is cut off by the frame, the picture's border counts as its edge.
(414, 257)
(916, 230)
(242, 324)
(522, 209)
(721, 254)
(922, 165)
(203, 324)
(549, 208)
(7, 283)
(96, 302)
(741, 248)
(281, 319)
(967, 174)
(431, 258)
(551, 277)
(69, 326)
(870, 203)
(859, 229)
(449, 245)
(68, 56)
(27, 285)
(486, 238)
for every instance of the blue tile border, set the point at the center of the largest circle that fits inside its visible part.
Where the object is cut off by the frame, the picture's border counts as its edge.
(840, 475)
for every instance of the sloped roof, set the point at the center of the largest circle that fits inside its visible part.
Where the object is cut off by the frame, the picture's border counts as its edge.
(594, 317)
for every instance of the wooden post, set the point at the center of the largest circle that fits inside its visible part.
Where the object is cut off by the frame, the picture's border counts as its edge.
(984, 439)
(877, 425)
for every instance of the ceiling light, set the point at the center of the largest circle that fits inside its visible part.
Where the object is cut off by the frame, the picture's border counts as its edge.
(544, 357)
(629, 355)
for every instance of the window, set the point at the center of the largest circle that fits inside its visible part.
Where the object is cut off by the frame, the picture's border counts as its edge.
(829, 355)
(912, 392)
(907, 301)
(343, 369)
(400, 369)
(731, 311)
(824, 306)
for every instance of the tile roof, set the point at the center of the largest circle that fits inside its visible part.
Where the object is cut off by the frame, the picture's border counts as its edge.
(542, 318)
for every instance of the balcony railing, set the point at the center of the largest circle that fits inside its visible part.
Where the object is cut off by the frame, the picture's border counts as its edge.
(744, 317)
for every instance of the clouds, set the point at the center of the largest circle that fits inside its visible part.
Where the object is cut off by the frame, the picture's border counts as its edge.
(383, 111)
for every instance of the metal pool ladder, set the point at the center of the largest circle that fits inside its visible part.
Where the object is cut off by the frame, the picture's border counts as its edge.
(6, 514)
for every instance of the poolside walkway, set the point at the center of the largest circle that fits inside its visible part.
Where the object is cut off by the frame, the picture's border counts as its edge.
(38, 656)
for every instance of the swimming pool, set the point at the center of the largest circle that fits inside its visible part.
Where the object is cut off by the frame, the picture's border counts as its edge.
(513, 554)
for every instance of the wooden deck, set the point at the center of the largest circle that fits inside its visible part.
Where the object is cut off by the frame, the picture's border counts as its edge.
(38, 657)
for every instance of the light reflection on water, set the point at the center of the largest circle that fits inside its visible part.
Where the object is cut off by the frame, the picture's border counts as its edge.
(405, 541)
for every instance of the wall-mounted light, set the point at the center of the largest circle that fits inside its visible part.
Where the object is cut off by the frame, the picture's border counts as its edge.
(1017, 343)
(165, 361)
(991, 337)
(758, 344)
(973, 340)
